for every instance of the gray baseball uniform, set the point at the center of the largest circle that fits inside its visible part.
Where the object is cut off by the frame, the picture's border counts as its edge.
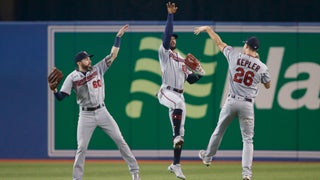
(89, 89)
(174, 73)
(244, 73)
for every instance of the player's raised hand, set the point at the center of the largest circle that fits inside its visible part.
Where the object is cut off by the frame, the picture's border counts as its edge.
(123, 30)
(171, 8)
(197, 30)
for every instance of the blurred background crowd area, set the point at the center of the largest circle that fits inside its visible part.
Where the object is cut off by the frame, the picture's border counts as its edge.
(136, 10)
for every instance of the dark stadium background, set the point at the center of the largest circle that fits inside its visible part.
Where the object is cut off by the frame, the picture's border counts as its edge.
(135, 10)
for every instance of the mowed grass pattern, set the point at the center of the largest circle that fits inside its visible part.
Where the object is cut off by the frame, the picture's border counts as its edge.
(156, 170)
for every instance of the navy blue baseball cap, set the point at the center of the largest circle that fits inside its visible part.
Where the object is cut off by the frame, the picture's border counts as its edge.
(252, 42)
(81, 55)
(175, 36)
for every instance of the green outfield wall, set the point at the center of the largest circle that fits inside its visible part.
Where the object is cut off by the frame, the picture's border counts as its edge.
(287, 116)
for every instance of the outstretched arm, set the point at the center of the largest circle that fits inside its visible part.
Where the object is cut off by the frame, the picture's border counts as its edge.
(171, 8)
(116, 46)
(214, 36)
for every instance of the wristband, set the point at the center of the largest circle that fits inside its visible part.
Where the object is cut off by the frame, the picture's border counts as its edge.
(117, 42)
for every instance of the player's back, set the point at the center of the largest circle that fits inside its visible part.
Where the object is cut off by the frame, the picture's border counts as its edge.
(245, 73)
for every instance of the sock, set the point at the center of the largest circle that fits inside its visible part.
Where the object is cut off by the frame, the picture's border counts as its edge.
(177, 155)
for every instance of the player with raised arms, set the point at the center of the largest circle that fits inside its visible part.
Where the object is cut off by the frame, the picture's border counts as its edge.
(174, 74)
(245, 72)
(88, 83)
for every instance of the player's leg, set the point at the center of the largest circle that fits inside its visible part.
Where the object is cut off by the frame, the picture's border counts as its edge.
(86, 126)
(111, 128)
(246, 120)
(177, 113)
(178, 133)
(178, 137)
(176, 105)
(177, 119)
(227, 114)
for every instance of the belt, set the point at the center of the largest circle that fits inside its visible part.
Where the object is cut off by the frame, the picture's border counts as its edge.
(92, 108)
(175, 89)
(239, 97)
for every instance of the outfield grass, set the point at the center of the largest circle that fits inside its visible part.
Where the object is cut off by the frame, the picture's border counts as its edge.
(193, 170)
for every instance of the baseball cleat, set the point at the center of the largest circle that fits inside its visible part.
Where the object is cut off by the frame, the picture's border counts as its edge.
(176, 169)
(246, 177)
(205, 160)
(177, 142)
(135, 176)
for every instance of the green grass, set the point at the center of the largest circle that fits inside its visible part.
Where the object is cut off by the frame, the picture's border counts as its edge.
(193, 170)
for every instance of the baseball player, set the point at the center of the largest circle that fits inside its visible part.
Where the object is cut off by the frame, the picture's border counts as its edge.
(174, 75)
(244, 73)
(88, 84)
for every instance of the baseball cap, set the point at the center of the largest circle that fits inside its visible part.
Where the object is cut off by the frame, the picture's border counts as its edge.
(252, 42)
(81, 55)
(175, 36)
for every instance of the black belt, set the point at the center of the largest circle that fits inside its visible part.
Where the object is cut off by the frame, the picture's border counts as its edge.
(92, 108)
(243, 98)
(175, 89)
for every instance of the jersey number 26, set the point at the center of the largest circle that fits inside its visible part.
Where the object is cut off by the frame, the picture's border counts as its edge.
(242, 76)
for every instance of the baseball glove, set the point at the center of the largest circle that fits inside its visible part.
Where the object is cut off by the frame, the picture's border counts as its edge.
(54, 78)
(194, 64)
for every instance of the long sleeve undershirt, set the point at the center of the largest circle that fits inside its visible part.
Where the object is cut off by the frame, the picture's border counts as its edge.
(168, 32)
(60, 95)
